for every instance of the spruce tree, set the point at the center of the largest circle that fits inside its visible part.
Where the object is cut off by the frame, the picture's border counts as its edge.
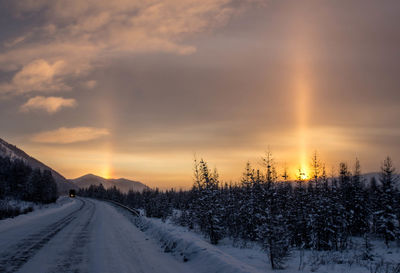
(387, 221)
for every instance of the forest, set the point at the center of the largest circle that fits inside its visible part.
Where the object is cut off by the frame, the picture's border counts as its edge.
(19, 182)
(319, 213)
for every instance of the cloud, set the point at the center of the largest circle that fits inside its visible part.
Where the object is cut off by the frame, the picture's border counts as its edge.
(15, 41)
(49, 104)
(38, 75)
(65, 135)
(75, 35)
(90, 84)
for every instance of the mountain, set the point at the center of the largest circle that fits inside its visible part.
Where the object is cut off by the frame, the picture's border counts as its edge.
(124, 185)
(11, 151)
(368, 176)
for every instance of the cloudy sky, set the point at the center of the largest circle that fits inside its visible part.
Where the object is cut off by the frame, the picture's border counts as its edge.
(134, 89)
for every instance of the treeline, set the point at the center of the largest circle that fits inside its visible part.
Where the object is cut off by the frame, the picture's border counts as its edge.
(321, 213)
(19, 181)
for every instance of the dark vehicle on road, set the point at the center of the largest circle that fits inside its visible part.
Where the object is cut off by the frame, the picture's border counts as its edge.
(72, 193)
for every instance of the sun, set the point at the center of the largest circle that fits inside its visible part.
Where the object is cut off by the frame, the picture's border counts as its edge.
(303, 173)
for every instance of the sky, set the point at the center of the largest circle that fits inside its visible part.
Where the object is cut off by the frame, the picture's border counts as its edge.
(137, 89)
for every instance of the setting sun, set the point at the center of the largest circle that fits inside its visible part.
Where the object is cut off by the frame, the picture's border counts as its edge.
(302, 174)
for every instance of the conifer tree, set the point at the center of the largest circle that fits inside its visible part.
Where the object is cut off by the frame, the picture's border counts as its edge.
(387, 221)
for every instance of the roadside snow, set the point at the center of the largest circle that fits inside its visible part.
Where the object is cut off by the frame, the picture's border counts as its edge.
(38, 212)
(118, 246)
(16, 204)
(225, 258)
(192, 248)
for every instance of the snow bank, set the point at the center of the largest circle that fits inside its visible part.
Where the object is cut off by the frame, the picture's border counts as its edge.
(20, 206)
(39, 211)
(225, 258)
(192, 248)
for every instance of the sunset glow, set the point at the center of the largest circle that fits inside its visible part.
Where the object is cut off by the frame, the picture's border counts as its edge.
(106, 172)
(129, 89)
(268, 124)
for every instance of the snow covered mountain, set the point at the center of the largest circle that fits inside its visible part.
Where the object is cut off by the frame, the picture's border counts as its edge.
(124, 185)
(11, 151)
(368, 176)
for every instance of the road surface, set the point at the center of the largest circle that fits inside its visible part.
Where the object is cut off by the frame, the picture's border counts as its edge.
(84, 235)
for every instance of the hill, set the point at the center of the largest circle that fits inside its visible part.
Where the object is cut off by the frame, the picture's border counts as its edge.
(13, 152)
(124, 185)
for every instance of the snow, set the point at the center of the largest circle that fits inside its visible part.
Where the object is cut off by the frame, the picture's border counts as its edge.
(225, 257)
(39, 211)
(86, 235)
(11, 207)
(81, 235)
(119, 246)
(5, 151)
(186, 245)
(17, 204)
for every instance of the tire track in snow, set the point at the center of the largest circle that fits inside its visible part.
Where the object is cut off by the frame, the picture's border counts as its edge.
(74, 257)
(20, 253)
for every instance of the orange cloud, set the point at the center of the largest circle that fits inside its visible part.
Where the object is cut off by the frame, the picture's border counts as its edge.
(38, 75)
(65, 135)
(49, 104)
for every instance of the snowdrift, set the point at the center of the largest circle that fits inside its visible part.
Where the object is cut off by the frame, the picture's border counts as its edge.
(191, 248)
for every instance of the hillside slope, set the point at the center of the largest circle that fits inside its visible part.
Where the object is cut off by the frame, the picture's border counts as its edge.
(9, 150)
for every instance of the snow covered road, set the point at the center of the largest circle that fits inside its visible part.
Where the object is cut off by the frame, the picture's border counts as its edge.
(83, 235)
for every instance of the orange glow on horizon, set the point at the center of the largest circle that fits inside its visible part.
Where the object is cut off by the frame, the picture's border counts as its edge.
(106, 172)
(106, 169)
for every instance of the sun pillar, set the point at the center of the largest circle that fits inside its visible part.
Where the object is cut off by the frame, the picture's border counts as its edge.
(302, 89)
(107, 118)
(302, 104)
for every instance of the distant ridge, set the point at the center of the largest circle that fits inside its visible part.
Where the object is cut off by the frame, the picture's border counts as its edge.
(13, 152)
(124, 185)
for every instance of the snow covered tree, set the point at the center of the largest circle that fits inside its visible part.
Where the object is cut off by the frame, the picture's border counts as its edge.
(274, 233)
(207, 209)
(301, 236)
(19, 181)
(387, 224)
(359, 221)
(251, 203)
